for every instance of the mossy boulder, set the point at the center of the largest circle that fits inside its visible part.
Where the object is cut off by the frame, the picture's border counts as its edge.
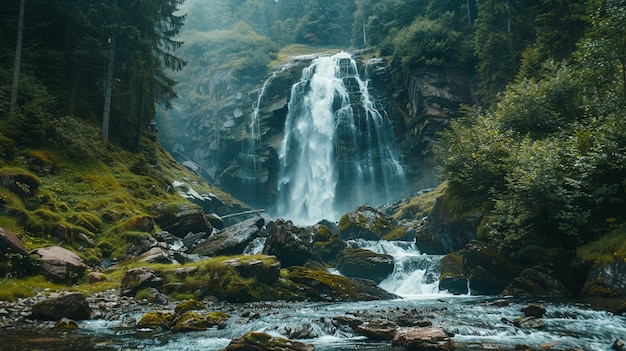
(190, 321)
(293, 246)
(255, 341)
(366, 223)
(536, 282)
(365, 264)
(157, 319)
(489, 272)
(448, 228)
(316, 285)
(452, 277)
(328, 242)
(265, 269)
(188, 305)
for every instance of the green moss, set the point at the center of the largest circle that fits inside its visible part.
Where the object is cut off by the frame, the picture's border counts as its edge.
(396, 234)
(155, 319)
(12, 289)
(19, 181)
(189, 305)
(608, 249)
(420, 206)
(143, 294)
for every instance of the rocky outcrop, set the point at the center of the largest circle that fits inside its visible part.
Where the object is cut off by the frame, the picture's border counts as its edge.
(59, 264)
(181, 219)
(293, 246)
(365, 264)
(488, 271)
(328, 241)
(72, 305)
(377, 330)
(265, 269)
(231, 240)
(444, 231)
(255, 341)
(607, 280)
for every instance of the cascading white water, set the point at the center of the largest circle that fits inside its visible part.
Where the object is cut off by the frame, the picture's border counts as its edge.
(338, 150)
(414, 275)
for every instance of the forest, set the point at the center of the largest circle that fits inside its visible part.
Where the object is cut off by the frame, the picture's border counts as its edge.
(541, 151)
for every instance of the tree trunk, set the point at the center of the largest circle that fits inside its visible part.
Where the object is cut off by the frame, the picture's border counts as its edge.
(107, 93)
(18, 58)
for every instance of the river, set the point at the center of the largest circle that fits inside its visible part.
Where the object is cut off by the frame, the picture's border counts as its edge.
(476, 322)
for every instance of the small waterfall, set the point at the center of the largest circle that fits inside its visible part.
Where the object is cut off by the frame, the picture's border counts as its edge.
(414, 275)
(338, 149)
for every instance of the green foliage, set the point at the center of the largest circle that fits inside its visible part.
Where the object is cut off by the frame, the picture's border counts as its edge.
(608, 249)
(426, 42)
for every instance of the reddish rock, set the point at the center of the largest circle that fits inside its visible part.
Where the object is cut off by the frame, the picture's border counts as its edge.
(423, 339)
(378, 330)
(60, 265)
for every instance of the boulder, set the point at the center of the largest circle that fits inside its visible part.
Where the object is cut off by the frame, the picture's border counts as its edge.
(316, 285)
(231, 240)
(180, 219)
(429, 338)
(293, 246)
(536, 282)
(452, 277)
(607, 280)
(60, 265)
(366, 223)
(137, 279)
(66, 324)
(328, 241)
(377, 330)
(255, 341)
(71, 305)
(534, 310)
(488, 271)
(157, 319)
(529, 323)
(11, 244)
(265, 269)
(365, 264)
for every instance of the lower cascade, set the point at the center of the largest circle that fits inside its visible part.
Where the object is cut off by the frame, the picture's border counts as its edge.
(415, 275)
(338, 149)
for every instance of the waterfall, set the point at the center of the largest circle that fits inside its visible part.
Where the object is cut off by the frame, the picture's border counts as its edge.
(338, 149)
(414, 274)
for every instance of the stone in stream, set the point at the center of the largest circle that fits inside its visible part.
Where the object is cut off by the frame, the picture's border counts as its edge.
(365, 264)
(255, 341)
(423, 338)
(378, 330)
(534, 310)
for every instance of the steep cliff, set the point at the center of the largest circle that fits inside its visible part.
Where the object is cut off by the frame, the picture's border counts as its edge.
(218, 135)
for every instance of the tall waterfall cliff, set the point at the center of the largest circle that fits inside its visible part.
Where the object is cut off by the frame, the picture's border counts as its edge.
(338, 149)
(240, 133)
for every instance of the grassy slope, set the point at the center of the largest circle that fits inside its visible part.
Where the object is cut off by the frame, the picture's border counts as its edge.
(103, 192)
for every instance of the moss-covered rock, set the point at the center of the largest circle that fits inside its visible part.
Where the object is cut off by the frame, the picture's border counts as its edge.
(293, 246)
(264, 342)
(365, 264)
(452, 277)
(328, 243)
(489, 272)
(366, 223)
(157, 319)
(189, 305)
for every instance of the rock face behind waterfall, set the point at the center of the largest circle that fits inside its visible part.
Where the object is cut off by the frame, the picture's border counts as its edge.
(216, 125)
